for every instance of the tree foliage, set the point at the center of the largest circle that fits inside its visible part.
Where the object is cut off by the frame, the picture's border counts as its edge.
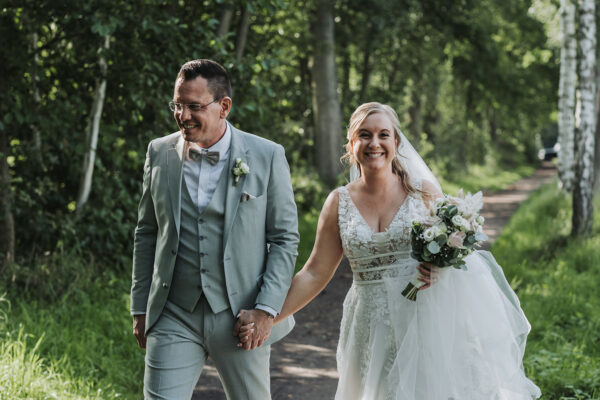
(472, 81)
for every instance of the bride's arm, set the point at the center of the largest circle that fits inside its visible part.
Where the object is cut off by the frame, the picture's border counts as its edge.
(322, 263)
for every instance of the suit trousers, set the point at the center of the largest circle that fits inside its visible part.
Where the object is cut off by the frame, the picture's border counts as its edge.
(178, 345)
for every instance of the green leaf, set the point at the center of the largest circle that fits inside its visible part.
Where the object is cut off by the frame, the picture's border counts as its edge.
(433, 247)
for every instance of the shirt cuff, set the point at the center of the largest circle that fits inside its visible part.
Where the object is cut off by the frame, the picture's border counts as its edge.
(267, 309)
(138, 313)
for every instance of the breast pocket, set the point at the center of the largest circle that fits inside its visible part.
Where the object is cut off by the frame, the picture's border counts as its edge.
(251, 212)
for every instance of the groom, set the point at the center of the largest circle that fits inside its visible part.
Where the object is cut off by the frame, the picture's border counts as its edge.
(216, 233)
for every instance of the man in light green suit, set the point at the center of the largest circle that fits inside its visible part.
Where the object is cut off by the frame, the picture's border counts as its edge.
(216, 233)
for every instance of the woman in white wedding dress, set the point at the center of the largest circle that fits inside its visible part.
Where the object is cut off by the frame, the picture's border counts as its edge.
(462, 339)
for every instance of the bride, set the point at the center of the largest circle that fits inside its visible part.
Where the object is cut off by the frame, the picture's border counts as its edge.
(462, 339)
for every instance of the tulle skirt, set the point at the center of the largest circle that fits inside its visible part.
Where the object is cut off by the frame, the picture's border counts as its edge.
(463, 338)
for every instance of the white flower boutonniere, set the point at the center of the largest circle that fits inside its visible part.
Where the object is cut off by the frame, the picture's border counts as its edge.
(239, 169)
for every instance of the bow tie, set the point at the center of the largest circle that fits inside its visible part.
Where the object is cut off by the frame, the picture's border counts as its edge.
(211, 156)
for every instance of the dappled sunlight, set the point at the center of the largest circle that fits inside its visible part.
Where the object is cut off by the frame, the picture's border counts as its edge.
(311, 372)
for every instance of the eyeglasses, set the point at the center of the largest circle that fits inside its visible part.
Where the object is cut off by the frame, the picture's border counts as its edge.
(178, 107)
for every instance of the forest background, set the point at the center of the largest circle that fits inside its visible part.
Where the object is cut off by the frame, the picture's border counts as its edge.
(85, 85)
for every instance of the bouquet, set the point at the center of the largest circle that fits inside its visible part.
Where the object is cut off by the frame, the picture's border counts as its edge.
(447, 235)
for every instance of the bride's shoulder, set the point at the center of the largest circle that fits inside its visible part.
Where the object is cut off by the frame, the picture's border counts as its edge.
(329, 212)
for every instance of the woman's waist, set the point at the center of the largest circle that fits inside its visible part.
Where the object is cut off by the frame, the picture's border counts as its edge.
(372, 269)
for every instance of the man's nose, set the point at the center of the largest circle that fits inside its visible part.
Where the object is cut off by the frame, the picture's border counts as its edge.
(184, 113)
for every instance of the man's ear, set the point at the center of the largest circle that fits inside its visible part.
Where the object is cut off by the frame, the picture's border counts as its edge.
(225, 104)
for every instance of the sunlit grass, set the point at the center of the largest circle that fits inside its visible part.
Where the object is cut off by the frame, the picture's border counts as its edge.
(557, 279)
(79, 346)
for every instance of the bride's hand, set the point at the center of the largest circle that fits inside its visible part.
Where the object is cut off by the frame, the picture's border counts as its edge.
(245, 335)
(428, 274)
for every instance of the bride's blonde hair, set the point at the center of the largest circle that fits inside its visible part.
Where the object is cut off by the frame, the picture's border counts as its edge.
(356, 120)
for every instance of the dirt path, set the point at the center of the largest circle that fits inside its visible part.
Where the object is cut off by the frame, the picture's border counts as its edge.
(303, 364)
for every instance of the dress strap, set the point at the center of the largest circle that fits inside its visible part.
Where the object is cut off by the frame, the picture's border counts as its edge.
(343, 207)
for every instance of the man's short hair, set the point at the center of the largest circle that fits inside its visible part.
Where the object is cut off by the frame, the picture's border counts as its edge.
(212, 71)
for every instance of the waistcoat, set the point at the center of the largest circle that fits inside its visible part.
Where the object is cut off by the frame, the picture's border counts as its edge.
(199, 263)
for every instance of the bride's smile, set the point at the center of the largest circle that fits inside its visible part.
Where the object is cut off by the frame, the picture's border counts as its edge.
(374, 143)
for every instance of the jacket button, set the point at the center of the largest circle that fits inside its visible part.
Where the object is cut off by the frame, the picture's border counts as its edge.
(202, 254)
(173, 252)
(165, 285)
(200, 220)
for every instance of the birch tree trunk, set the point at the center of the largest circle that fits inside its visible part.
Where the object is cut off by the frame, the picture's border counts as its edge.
(328, 118)
(597, 140)
(584, 176)
(242, 35)
(566, 97)
(93, 129)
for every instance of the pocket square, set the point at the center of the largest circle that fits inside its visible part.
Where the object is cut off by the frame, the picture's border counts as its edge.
(246, 197)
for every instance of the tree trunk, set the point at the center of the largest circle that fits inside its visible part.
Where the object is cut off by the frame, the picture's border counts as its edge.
(37, 99)
(366, 67)
(493, 125)
(583, 212)
(566, 97)
(93, 129)
(328, 119)
(416, 113)
(346, 66)
(7, 224)
(225, 22)
(597, 133)
(242, 35)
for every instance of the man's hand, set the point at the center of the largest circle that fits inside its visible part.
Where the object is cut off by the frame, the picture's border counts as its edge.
(253, 327)
(428, 274)
(139, 327)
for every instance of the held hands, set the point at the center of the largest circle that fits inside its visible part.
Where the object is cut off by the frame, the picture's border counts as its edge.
(428, 273)
(139, 326)
(253, 327)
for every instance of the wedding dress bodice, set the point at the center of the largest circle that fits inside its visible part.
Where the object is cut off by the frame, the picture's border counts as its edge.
(373, 255)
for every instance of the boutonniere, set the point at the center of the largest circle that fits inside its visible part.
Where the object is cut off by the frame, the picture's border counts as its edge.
(239, 169)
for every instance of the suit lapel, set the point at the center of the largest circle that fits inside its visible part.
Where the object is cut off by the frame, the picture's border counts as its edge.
(234, 192)
(175, 174)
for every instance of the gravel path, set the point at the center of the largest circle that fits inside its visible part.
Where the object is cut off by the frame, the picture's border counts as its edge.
(303, 363)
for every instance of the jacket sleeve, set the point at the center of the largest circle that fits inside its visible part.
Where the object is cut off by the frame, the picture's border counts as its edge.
(281, 234)
(144, 243)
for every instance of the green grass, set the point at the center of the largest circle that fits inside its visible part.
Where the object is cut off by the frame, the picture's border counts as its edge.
(556, 278)
(79, 346)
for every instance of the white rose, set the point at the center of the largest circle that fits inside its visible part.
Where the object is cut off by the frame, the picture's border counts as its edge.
(480, 219)
(440, 229)
(244, 167)
(429, 234)
(458, 220)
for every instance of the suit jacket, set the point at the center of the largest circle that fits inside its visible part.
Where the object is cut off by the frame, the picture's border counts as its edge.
(260, 233)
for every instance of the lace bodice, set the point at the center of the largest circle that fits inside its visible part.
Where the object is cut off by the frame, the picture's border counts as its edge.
(371, 254)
